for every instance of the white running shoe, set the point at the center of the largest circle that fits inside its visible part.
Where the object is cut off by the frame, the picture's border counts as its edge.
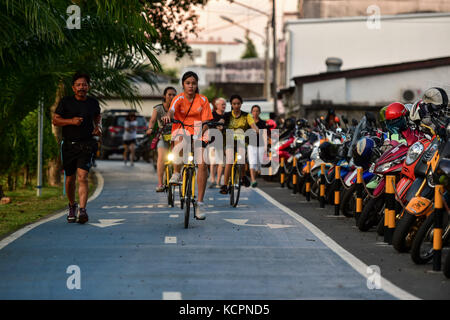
(175, 179)
(200, 211)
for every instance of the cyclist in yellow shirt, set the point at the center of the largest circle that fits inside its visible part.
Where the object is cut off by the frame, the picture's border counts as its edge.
(235, 120)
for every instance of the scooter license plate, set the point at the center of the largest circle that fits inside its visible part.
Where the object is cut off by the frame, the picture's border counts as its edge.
(418, 205)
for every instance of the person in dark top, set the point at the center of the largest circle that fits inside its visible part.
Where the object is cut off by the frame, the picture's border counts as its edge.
(216, 162)
(79, 116)
(256, 148)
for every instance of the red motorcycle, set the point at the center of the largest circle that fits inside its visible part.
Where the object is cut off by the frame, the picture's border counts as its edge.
(390, 163)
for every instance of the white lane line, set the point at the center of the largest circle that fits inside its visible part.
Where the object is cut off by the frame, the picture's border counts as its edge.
(170, 240)
(171, 295)
(353, 261)
(143, 212)
(16, 235)
(174, 216)
(114, 207)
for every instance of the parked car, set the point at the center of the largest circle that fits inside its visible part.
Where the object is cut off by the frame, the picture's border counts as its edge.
(113, 128)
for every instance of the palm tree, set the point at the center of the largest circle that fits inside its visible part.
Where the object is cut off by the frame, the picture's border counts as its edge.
(38, 55)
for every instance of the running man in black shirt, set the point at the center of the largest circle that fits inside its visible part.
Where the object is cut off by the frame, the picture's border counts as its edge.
(79, 115)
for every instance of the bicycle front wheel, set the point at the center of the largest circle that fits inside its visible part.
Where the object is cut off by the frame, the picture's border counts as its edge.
(171, 188)
(235, 189)
(187, 198)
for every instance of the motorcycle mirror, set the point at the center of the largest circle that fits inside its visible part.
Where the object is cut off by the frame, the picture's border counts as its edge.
(344, 118)
(354, 122)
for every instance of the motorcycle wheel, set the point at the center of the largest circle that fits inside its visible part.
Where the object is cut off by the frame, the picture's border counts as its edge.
(422, 246)
(447, 266)
(371, 213)
(380, 226)
(348, 203)
(404, 229)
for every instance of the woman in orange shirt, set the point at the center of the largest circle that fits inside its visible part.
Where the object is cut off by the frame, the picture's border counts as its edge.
(193, 110)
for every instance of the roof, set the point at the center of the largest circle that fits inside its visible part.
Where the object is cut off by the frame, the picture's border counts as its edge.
(364, 18)
(373, 71)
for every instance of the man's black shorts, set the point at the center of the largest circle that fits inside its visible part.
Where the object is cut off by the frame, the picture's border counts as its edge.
(78, 155)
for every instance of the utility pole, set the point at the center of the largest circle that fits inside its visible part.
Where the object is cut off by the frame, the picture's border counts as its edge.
(40, 144)
(266, 64)
(274, 61)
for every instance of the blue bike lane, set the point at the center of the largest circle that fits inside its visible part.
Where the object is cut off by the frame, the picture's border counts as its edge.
(135, 247)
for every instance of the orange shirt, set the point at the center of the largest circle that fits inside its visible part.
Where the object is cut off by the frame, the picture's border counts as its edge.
(200, 111)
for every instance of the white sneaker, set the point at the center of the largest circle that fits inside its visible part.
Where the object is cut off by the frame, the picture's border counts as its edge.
(175, 179)
(200, 211)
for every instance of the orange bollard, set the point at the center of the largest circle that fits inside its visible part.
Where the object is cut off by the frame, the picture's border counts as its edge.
(389, 211)
(438, 226)
(337, 192)
(308, 181)
(322, 186)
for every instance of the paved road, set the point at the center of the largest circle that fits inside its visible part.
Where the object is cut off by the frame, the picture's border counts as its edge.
(135, 247)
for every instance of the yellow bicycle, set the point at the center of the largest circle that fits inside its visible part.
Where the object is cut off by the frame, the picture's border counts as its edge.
(189, 177)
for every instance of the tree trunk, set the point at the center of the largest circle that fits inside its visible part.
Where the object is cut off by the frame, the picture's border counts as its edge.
(55, 165)
(10, 182)
(26, 176)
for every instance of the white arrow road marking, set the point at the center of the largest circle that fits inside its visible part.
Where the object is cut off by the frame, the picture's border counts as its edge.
(143, 212)
(114, 207)
(107, 222)
(170, 240)
(243, 222)
(228, 211)
(171, 296)
(142, 206)
(278, 226)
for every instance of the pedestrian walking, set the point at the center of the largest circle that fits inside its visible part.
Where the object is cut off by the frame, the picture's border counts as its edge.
(216, 161)
(129, 138)
(256, 148)
(79, 116)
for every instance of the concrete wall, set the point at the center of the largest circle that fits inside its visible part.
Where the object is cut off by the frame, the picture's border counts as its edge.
(350, 8)
(376, 90)
(354, 96)
(334, 90)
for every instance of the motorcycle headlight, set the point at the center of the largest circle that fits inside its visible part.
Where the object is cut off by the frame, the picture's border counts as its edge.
(430, 180)
(170, 157)
(384, 167)
(190, 158)
(413, 153)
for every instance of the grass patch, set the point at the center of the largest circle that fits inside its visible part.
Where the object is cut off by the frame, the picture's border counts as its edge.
(27, 208)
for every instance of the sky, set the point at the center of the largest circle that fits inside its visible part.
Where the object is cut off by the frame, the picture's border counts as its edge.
(212, 26)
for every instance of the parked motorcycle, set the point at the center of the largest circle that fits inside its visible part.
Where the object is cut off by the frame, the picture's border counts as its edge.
(422, 245)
